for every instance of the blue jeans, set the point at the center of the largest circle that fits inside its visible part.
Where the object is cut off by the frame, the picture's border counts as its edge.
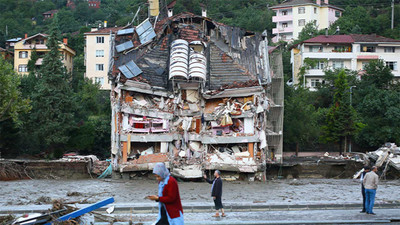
(369, 199)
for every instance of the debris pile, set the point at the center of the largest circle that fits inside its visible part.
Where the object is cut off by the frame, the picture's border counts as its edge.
(195, 94)
(12, 171)
(386, 157)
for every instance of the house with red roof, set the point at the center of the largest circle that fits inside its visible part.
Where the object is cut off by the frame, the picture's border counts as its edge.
(353, 51)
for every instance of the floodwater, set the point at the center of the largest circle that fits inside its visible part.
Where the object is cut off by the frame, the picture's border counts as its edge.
(301, 191)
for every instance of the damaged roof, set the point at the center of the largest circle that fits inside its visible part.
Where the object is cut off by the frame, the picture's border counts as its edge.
(229, 51)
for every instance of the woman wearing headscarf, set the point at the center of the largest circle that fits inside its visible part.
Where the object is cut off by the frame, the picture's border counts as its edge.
(170, 207)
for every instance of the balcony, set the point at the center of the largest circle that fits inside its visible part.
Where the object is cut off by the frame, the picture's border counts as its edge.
(315, 72)
(329, 55)
(277, 19)
(281, 30)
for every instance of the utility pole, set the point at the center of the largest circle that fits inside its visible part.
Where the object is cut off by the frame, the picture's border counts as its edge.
(351, 104)
(392, 14)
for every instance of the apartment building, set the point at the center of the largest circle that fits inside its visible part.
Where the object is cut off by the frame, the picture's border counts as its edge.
(24, 48)
(352, 52)
(197, 95)
(292, 15)
(97, 55)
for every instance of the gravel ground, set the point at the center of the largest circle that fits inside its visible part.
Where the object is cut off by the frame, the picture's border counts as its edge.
(303, 191)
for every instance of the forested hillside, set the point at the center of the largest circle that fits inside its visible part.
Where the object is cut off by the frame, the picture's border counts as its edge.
(89, 129)
(18, 17)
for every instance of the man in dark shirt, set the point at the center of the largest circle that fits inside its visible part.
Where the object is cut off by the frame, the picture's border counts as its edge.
(366, 170)
(216, 192)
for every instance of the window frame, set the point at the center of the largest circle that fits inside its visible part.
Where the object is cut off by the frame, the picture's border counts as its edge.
(303, 22)
(98, 55)
(100, 67)
(319, 48)
(335, 62)
(314, 82)
(301, 10)
(22, 68)
(23, 53)
(392, 65)
(392, 49)
(99, 40)
(372, 47)
(99, 80)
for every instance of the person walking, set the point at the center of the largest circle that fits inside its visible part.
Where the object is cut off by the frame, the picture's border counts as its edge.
(168, 198)
(370, 182)
(366, 170)
(216, 192)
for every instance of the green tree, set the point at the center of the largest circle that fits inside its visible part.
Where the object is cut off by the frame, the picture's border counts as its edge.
(310, 30)
(377, 100)
(12, 104)
(300, 125)
(53, 100)
(341, 120)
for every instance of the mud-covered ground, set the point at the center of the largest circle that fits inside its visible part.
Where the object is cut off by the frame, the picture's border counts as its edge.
(303, 191)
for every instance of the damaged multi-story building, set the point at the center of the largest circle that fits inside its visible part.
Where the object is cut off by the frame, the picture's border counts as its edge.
(195, 94)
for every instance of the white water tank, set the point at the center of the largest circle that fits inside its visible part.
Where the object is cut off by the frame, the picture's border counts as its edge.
(178, 65)
(197, 66)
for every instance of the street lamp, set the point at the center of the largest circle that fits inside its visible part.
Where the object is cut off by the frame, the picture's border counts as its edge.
(351, 104)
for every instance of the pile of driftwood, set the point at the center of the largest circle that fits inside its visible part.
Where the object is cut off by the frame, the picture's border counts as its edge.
(12, 171)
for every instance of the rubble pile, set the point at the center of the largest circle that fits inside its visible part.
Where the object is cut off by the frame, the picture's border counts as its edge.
(192, 93)
(386, 157)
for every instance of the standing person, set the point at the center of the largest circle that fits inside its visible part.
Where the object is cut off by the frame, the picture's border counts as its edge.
(168, 198)
(370, 182)
(216, 192)
(366, 170)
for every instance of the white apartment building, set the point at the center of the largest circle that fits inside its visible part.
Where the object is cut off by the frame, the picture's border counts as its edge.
(97, 55)
(292, 15)
(352, 52)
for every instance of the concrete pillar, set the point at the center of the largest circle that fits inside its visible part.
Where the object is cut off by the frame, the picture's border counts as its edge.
(250, 148)
(124, 151)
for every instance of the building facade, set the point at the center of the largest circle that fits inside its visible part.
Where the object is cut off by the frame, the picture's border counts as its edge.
(292, 15)
(97, 55)
(351, 52)
(24, 48)
(196, 95)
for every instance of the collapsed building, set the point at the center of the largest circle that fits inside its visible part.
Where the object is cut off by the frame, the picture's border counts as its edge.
(195, 94)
